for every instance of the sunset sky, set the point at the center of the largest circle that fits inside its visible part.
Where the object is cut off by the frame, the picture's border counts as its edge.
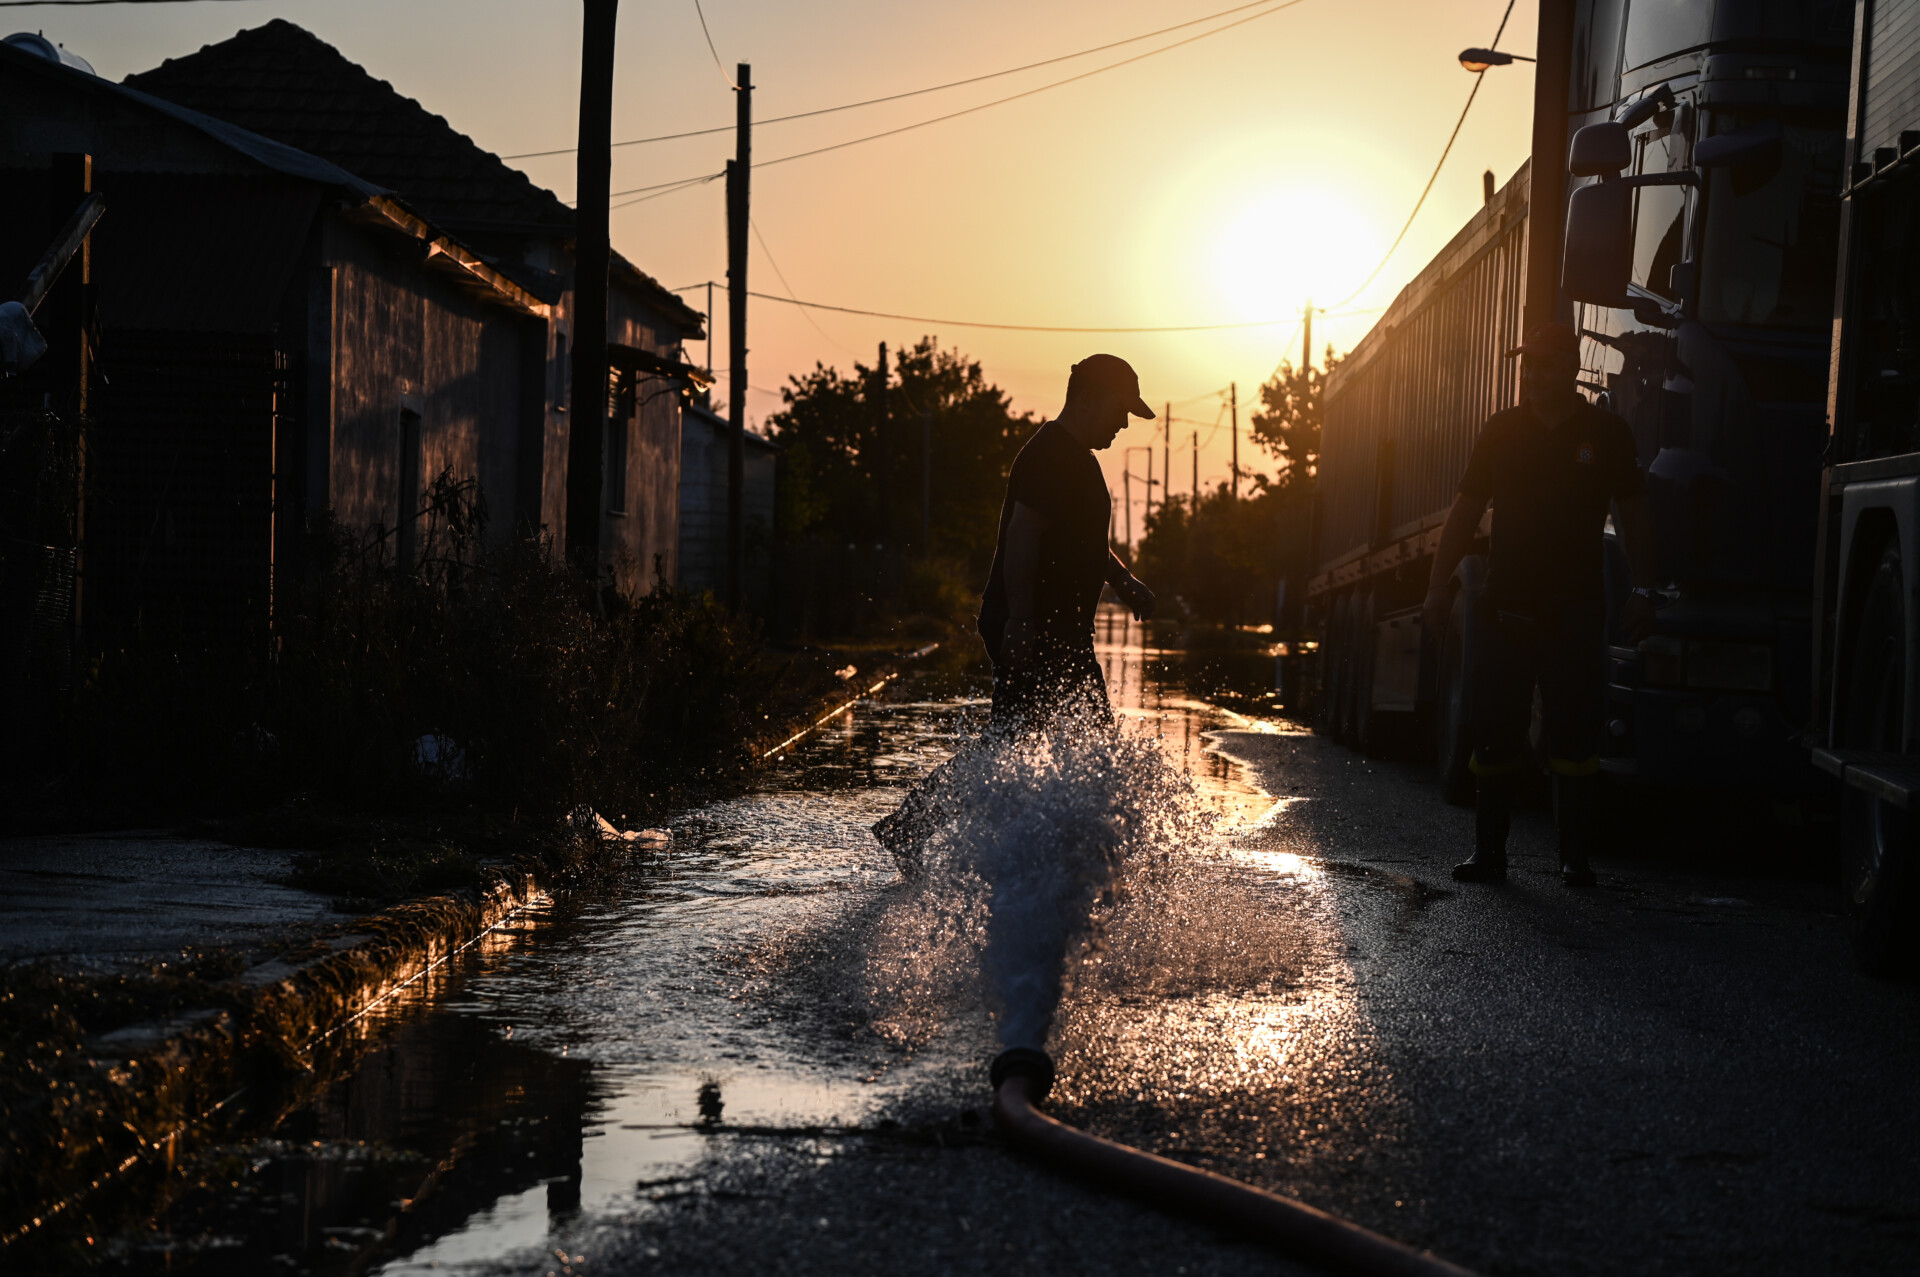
(1221, 182)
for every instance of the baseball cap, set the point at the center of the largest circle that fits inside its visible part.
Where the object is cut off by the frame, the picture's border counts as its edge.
(1548, 339)
(1109, 372)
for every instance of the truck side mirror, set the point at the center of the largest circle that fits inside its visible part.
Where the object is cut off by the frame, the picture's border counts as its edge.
(1681, 279)
(1600, 150)
(1747, 146)
(1598, 256)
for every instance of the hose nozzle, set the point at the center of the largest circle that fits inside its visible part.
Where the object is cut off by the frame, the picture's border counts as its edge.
(1030, 1062)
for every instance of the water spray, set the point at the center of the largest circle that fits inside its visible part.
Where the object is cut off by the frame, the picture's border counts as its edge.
(1023, 1075)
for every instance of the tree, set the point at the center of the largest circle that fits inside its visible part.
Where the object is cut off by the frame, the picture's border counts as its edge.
(852, 474)
(1288, 423)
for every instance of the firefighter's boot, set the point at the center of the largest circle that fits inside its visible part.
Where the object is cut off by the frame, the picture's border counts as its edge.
(1575, 809)
(1492, 818)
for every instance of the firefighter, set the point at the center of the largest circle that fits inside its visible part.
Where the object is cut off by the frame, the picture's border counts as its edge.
(1550, 467)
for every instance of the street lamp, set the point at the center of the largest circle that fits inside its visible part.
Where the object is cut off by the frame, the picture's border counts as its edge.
(1478, 60)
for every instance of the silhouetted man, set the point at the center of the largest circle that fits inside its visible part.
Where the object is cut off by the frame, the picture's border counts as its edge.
(1036, 616)
(1550, 467)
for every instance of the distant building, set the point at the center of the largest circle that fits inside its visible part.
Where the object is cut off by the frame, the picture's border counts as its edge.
(704, 446)
(284, 83)
(277, 336)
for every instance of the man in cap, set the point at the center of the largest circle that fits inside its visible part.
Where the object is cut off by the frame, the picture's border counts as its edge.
(1036, 616)
(1550, 467)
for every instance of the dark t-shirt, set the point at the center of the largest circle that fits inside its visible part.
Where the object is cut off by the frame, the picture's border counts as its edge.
(1056, 476)
(1550, 489)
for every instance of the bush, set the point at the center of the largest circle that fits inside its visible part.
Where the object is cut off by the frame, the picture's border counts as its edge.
(536, 692)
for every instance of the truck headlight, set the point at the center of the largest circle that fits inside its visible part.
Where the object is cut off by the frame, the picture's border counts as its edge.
(1729, 667)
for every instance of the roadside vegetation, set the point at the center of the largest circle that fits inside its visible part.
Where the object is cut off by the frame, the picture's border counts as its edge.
(858, 451)
(1221, 560)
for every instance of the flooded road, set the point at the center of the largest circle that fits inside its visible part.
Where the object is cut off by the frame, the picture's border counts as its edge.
(758, 1049)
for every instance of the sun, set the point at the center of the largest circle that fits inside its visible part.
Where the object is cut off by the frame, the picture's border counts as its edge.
(1273, 251)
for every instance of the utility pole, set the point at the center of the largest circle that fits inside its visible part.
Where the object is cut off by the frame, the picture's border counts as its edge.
(1553, 70)
(1306, 341)
(1196, 471)
(883, 468)
(926, 480)
(1166, 457)
(709, 325)
(1126, 499)
(738, 211)
(587, 418)
(1233, 389)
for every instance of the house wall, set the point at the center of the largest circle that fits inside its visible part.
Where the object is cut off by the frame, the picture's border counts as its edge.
(703, 508)
(404, 340)
(650, 528)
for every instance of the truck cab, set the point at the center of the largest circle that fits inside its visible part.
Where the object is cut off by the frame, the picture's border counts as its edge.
(1702, 224)
(1866, 658)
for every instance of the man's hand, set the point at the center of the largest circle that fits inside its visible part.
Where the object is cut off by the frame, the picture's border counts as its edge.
(1636, 618)
(1437, 613)
(1138, 598)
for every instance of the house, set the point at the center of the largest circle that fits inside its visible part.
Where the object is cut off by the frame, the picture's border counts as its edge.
(282, 82)
(705, 441)
(276, 337)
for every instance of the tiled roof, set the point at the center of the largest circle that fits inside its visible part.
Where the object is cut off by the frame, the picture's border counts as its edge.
(282, 81)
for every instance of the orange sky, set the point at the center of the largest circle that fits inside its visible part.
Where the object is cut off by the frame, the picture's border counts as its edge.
(1217, 183)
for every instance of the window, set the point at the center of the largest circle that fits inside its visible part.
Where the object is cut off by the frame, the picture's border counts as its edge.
(1883, 324)
(620, 413)
(1659, 28)
(1772, 230)
(1660, 212)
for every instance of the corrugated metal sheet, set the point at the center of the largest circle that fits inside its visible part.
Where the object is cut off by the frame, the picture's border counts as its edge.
(1892, 74)
(1404, 408)
(199, 253)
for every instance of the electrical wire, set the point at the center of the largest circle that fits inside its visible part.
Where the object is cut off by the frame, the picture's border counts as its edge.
(954, 115)
(1478, 79)
(966, 323)
(782, 277)
(717, 64)
(891, 97)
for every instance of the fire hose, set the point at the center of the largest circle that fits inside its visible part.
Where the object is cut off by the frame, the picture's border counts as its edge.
(1022, 1076)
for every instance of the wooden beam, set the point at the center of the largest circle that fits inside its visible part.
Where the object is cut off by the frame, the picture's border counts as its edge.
(41, 279)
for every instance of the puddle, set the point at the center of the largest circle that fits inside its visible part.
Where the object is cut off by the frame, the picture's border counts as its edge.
(582, 1064)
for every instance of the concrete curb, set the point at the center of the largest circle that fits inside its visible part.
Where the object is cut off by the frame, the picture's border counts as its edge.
(148, 1086)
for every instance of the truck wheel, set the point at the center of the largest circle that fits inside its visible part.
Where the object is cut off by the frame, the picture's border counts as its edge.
(1367, 725)
(1452, 745)
(1877, 838)
(1343, 684)
(1326, 715)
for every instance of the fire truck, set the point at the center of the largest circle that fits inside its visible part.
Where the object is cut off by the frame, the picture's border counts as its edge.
(1682, 210)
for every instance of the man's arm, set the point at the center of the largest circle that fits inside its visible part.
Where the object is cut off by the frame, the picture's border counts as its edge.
(1634, 522)
(1463, 520)
(1021, 563)
(1131, 589)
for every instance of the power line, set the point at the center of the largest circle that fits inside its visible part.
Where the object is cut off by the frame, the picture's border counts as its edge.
(954, 115)
(1478, 79)
(717, 64)
(1018, 328)
(892, 97)
(782, 276)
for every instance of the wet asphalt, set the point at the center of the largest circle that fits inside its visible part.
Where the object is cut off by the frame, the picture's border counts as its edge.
(1678, 1072)
(730, 1060)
